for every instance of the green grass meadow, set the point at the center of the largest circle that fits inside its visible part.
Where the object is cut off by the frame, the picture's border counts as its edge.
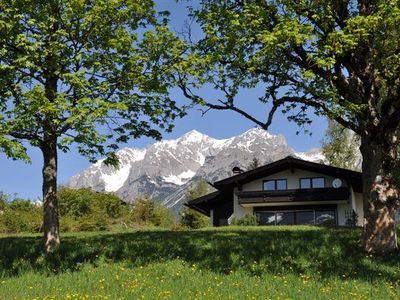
(225, 263)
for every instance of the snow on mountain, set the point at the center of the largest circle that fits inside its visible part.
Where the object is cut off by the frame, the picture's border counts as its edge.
(102, 177)
(167, 169)
(181, 178)
(314, 154)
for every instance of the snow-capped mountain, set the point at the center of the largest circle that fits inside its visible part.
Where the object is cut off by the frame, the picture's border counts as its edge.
(167, 169)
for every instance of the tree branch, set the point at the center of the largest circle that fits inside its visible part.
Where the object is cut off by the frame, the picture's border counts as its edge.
(276, 103)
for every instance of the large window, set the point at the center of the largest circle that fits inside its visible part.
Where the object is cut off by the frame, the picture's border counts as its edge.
(304, 217)
(266, 218)
(275, 185)
(285, 218)
(325, 217)
(312, 183)
(300, 217)
(305, 183)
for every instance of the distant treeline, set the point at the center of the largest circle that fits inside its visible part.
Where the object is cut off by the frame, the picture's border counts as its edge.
(86, 210)
(83, 210)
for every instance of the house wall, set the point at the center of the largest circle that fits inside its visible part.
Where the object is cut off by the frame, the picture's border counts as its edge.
(238, 210)
(293, 182)
(341, 213)
(293, 179)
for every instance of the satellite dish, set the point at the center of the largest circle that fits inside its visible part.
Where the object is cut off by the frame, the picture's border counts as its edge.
(336, 183)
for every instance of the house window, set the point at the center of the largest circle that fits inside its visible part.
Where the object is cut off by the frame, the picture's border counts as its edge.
(318, 182)
(296, 217)
(275, 185)
(312, 183)
(305, 217)
(265, 218)
(281, 184)
(285, 218)
(305, 183)
(325, 217)
(269, 185)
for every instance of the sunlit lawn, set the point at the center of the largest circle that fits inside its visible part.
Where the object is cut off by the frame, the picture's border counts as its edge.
(228, 263)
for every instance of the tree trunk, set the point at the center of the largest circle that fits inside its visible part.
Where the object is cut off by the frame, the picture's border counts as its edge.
(380, 194)
(50, 202)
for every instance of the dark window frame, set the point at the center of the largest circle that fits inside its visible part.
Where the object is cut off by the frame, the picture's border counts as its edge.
(335, 214)
(311, 182)
(315, 210)
(275, 184)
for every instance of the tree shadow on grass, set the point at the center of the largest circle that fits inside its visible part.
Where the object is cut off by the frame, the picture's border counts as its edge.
(323, 252)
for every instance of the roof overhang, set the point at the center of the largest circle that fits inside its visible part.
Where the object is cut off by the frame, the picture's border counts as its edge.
(204, 204)
(353, 177)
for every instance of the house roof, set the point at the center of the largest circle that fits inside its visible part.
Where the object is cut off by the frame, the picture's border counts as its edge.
(205, 203)
(290, 162)
(202, 204)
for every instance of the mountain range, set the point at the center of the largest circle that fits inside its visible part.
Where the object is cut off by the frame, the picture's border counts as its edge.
(167, 169)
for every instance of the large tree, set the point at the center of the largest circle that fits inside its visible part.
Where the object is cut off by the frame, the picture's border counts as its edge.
(74, 71)
(340, 146)
(338, 58)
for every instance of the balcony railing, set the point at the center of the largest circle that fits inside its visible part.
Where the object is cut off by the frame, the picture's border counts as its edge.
(294, 195)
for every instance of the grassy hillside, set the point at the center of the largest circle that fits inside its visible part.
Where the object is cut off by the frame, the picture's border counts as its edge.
(226, 263)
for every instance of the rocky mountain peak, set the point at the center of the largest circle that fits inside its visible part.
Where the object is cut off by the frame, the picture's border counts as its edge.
(166, 169)
(193, 136)
(256, 132)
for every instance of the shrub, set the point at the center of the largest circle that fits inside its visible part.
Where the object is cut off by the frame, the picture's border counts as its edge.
(147, 212)
(247, 220)
(143, 210)
(87, 210)
(21, 205)
(111, 205)
(163, 217)
(92, 223)
(75, 202)
(68, 224)
(19, 215)
(189, 217)
(84, 223)
(15, 221)
(352, 220)
(193, 219)
(3, 202)
(80, 202)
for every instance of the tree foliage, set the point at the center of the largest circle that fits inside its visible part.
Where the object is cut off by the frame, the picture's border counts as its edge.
(340, 147)
(83, 210)
(86, 210)
(200, 189)
(247, 220)
(76, 72)
(147, 212)
(19, 215)
(75, 69)
(76, 203)
(335, 58)
(189, 217)
(306, 54)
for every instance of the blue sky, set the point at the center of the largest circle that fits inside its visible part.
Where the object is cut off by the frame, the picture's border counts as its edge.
(25, 180)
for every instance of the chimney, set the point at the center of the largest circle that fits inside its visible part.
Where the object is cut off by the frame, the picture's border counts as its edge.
(237, 170)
